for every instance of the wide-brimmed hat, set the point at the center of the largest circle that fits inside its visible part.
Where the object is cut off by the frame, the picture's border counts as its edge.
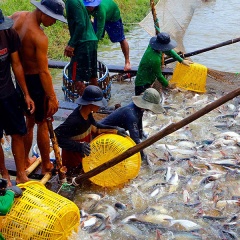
(162, 42)
(151, 100)
(52, 8)
(92, 95)
(5, 22)
(91, 3)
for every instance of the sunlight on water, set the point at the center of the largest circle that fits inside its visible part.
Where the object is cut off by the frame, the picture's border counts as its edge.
(215, 22)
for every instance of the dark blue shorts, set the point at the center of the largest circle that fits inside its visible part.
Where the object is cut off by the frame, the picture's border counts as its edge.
(12, 116)
(83, 65)
(114, 29)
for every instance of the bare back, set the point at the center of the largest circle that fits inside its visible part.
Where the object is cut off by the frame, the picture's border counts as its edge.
(34, 47)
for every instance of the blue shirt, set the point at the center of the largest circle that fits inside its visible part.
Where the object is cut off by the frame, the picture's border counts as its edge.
(129, 118)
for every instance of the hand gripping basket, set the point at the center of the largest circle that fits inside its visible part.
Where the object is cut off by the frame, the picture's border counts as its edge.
(40, 214)
(104, 148)
(191, 77)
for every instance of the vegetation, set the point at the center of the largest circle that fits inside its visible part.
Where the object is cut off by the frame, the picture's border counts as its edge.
(132, 11)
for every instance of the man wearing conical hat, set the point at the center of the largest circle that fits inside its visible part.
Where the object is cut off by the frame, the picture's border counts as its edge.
(150, 65)
(34, 59)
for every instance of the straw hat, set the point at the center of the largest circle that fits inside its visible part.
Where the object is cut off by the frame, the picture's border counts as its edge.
(92, 95)
(151, 100)
(162, 42)
(52, 8)
(5, 22)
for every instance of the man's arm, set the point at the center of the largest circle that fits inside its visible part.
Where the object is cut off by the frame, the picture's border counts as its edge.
(44, 74)
(19, 74)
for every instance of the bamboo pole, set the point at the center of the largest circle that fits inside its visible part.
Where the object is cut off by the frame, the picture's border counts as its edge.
(155, 19)
(231, 41)
(31, 168)
(61, 169)
(46, 178)
(166, 131)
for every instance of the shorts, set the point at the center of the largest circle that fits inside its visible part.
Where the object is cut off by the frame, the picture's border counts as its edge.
(12, 119)
(114, 29)
(140, 89)
(83, 65)
(37, 94)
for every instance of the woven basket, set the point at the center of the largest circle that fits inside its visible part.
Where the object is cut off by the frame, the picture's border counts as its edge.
(191, 77)
(104, 148)
(40, 214)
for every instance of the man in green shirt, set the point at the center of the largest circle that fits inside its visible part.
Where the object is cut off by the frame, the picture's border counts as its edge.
(151, 63)
(107, 17)
(82, 46)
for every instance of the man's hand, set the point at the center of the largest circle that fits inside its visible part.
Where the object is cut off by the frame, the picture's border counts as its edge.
(52, 105)
(17, 190)
(68, 52)
(121, 132)
(30, 104)
(172, 85)
(84, 149)
(186, 62)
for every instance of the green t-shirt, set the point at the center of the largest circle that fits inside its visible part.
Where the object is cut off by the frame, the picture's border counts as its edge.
(107, 11)
(6, 202)
(150, 67)
(79, 24)
(1, 237)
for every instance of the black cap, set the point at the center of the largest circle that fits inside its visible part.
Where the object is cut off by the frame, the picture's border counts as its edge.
(5, 22)
(92, 95)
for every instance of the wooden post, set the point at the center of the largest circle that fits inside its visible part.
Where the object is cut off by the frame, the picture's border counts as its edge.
(166, 131)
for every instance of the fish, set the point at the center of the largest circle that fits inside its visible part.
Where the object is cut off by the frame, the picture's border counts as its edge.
(152, 218)
(224, 203)
(174, 179)
(90, 221)
(168, 174)
(184, 225)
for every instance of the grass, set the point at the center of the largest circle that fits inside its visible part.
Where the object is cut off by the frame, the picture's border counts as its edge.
(132, 11)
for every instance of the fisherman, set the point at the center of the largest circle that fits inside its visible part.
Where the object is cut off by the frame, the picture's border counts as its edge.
(130, 117)
(107, 17)
(12, 116)
(35, 64)
(82, 46)
(76, 132)
(151, 63)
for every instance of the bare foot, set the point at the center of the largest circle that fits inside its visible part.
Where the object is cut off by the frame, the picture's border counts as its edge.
(127, 67)
(21, 178)
(6, 176)
(48, 168)
(30, 161)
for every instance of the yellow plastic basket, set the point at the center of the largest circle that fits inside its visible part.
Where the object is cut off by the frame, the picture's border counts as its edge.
(191, 77)
(104, 148)
(40, 214)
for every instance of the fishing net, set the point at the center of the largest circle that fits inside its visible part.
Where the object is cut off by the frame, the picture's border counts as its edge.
(169, 20)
